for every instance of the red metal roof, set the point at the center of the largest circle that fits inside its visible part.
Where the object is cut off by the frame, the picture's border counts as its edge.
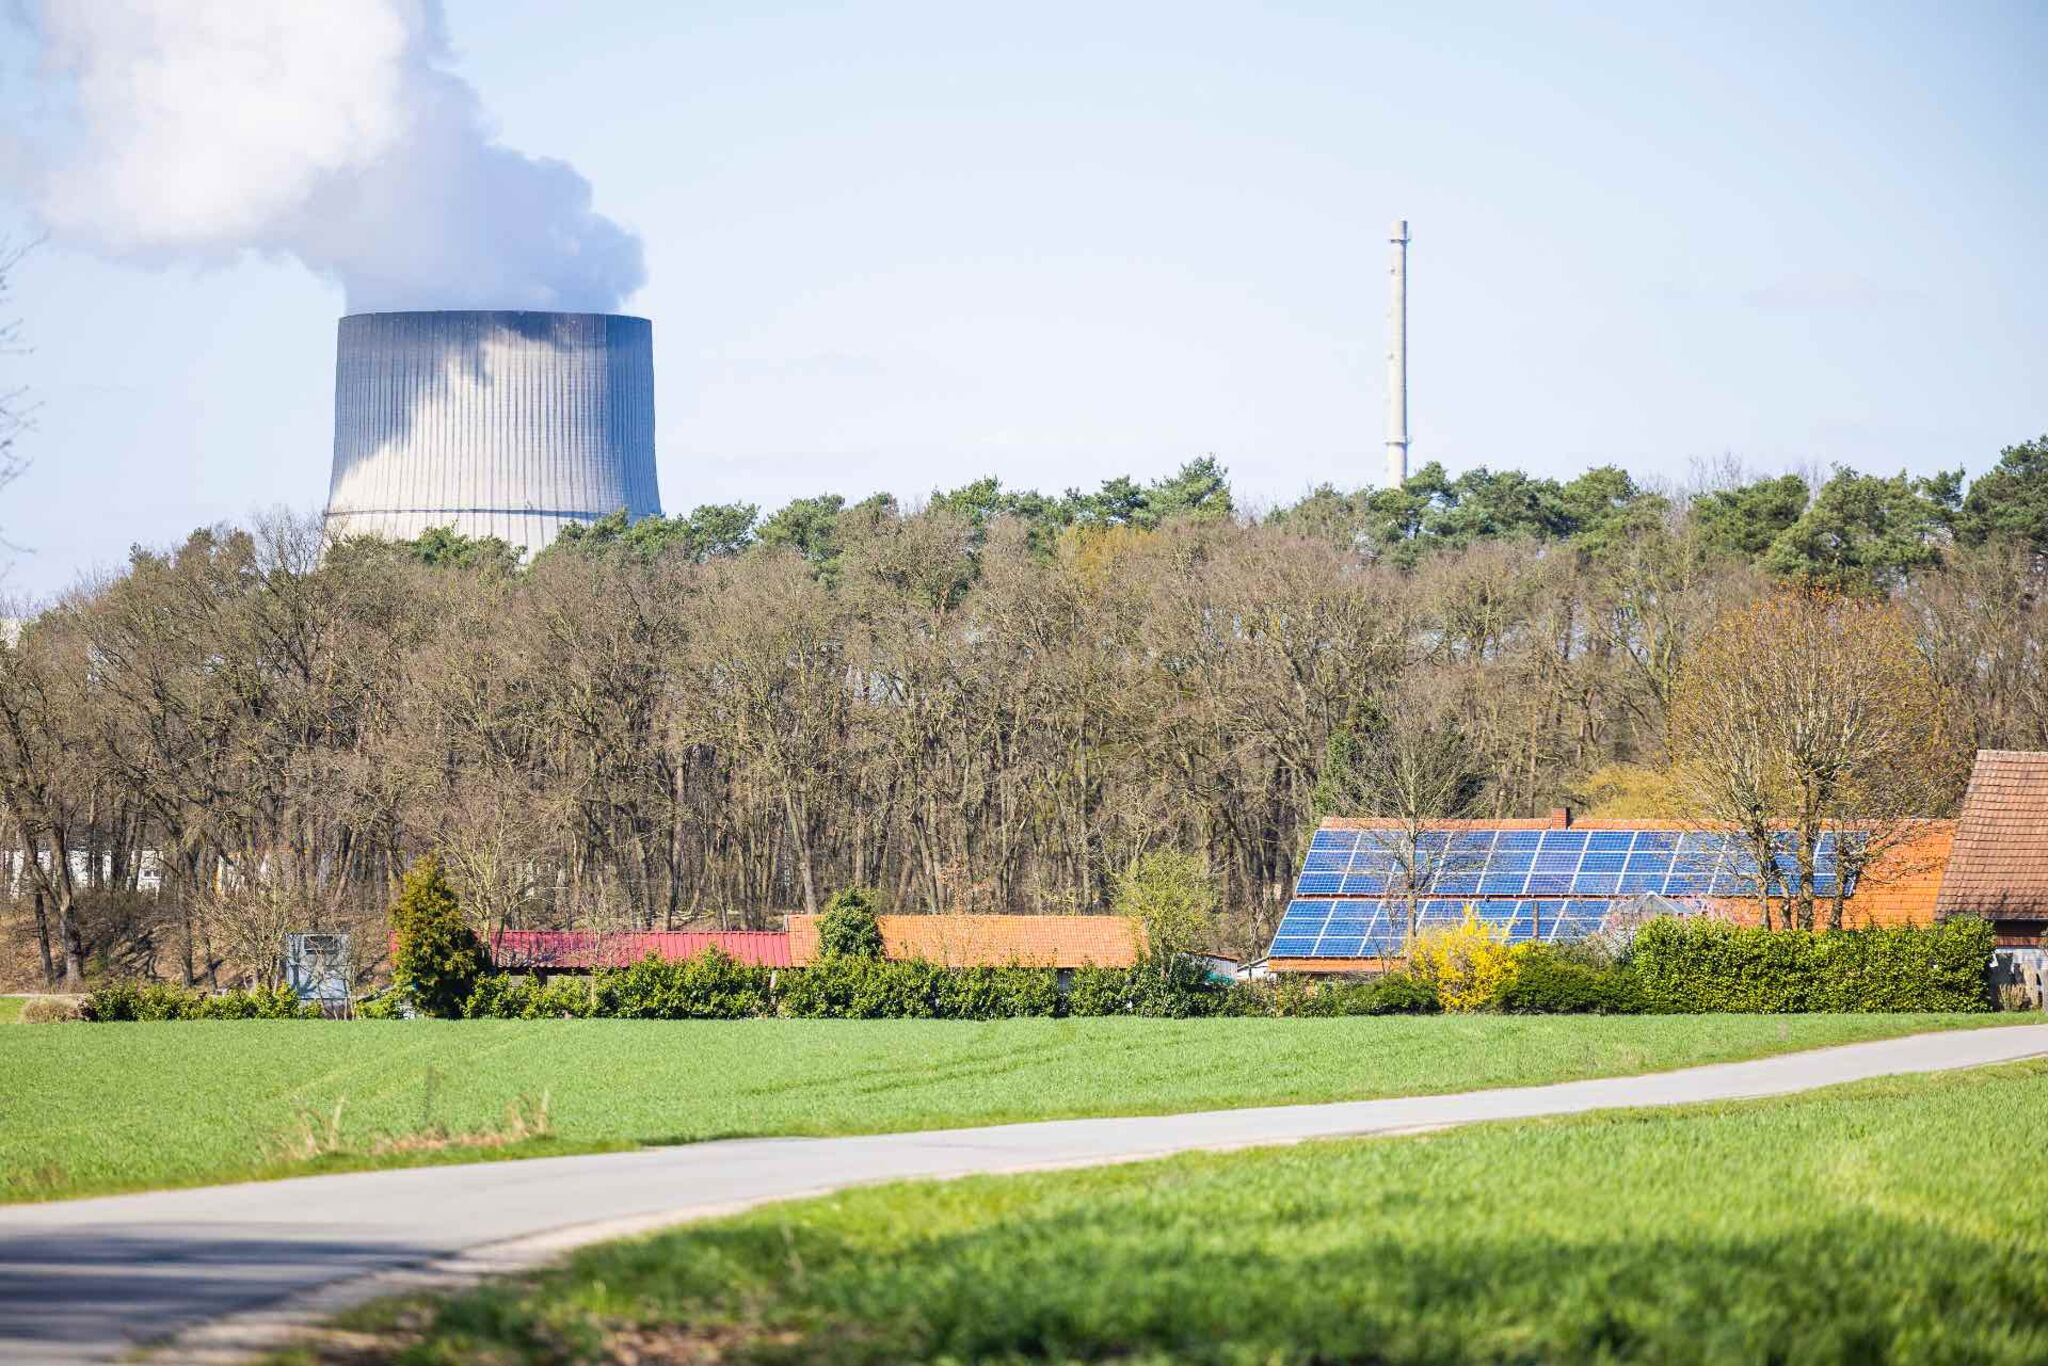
(571, 949)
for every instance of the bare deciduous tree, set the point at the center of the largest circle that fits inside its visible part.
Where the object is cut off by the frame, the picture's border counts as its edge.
(1815, 715)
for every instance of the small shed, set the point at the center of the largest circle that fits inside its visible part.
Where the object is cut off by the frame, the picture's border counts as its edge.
(1998, 865)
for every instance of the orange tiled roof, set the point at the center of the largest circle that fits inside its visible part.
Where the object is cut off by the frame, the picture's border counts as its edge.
(2000, 865)
(994, 941)
(1898, 888)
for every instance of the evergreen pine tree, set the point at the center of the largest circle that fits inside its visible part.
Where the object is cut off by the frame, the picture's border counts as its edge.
(436, 958)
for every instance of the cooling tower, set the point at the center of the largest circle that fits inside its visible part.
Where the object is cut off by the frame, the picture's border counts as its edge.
(496, 423)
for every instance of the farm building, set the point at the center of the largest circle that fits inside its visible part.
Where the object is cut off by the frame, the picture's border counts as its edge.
(549, 951)
(1556, 879)
(993, 941)
(959, 941)
(1998, 867)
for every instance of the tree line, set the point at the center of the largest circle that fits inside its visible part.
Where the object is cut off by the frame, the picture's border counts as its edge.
(995, 701)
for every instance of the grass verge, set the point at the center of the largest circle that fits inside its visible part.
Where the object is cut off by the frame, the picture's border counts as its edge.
(86, 1109)
(1891, 1221)
(10, 1008)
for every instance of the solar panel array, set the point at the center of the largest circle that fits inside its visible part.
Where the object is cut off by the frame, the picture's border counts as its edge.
(1536, 885)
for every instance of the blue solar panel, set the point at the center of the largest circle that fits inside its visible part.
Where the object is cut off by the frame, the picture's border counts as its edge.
(1621, 862)
(1371, 927)
(1548, 885)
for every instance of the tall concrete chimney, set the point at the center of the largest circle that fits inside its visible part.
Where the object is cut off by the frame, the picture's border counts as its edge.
(1397, 360)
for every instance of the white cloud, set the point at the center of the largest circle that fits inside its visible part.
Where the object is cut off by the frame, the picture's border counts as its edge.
(332, 132)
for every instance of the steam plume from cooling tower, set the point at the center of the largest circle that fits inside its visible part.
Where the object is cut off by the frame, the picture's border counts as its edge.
(332, 132)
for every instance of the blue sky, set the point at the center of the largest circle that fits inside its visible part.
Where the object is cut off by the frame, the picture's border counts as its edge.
(899, 246)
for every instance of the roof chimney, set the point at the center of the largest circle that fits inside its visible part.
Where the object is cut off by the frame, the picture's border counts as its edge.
(1560, 818)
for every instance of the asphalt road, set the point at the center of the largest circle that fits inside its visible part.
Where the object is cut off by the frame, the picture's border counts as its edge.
(223, 1270)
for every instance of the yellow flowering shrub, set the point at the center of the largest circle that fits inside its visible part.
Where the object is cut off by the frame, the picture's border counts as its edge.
(1467, 963)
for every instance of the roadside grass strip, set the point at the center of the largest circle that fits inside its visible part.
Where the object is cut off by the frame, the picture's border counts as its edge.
(1902, 1220)
(88, 1109)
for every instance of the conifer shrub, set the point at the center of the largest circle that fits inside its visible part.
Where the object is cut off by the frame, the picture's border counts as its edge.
(436, 958)
(849, 928)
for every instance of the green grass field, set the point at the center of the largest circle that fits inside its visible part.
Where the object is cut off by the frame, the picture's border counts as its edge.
(94, 1108)
(10, 1008)
(1897, 1221)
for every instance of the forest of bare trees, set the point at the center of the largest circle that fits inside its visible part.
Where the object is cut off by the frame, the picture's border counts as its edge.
(995, 701)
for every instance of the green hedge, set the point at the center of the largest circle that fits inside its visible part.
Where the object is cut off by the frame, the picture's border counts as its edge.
(1552, 981)
(1177, 990)
(124, 1001)
(710, 986)
(841, 988)
(1679, 965)
(1397, 993)
(1695, 966)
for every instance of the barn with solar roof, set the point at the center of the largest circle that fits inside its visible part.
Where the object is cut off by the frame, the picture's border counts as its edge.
(1554, 880)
